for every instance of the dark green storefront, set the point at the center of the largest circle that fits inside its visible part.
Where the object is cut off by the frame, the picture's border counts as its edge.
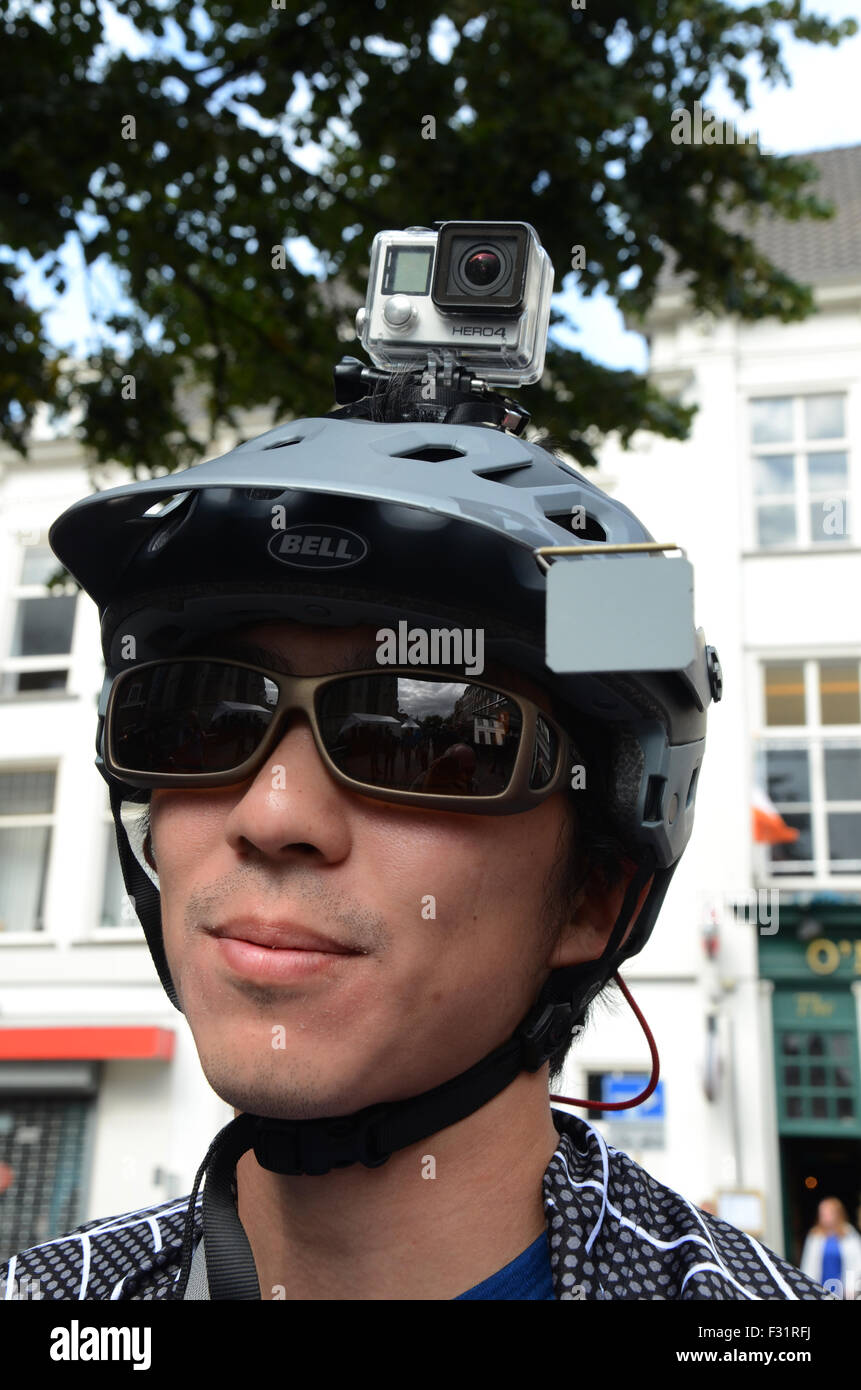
(813, 959)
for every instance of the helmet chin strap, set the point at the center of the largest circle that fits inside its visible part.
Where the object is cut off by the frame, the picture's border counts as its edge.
(370, 1136)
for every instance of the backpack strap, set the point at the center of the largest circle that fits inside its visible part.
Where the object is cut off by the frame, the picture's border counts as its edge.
(198, 1284)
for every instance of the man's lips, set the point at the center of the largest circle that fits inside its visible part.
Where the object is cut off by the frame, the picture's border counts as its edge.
(281, 936)
(278, 953)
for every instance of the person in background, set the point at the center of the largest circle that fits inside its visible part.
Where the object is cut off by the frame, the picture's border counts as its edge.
(832, 1250)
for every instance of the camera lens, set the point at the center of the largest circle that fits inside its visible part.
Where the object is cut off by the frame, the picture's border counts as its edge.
(482, 268)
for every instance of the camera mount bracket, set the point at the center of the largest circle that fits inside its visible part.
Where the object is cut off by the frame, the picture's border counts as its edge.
(442, 393)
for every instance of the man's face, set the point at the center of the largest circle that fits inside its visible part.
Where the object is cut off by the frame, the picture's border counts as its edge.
(428, 996)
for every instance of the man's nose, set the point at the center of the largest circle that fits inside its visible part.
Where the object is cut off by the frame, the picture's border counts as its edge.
(292, 800)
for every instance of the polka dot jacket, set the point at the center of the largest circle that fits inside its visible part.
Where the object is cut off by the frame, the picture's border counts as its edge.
(614, 1232)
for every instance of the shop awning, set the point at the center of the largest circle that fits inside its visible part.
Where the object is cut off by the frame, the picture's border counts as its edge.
(86, 1044)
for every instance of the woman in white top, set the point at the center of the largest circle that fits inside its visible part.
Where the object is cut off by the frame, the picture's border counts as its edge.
(832, 1251)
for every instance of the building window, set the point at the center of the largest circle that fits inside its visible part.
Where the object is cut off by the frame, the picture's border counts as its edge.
(816, 1062)
(800, 457)
(808, 760)
(817, 1077)
(26, 823)
(39, 651)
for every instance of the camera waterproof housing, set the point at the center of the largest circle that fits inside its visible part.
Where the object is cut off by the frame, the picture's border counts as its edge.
(478, 292)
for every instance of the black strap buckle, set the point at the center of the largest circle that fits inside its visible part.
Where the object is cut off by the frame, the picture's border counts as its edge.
(540, 1036)
(317, 1146)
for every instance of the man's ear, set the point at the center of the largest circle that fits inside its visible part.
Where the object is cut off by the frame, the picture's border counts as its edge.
(595, 915)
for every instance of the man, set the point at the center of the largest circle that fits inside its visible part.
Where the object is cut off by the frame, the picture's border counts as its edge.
(380, 978)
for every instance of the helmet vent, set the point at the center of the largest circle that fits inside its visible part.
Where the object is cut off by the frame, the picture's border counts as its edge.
(431, 453)
(692, 787)
(591, 531)
(507, 474)
(654, 796)
(166, 504)
(283, 443)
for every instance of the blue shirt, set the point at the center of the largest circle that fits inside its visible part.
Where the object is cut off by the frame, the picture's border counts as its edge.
(529, 1276)
(832, 1262)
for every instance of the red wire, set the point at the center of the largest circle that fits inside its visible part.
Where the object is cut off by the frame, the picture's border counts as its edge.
(656, 1064)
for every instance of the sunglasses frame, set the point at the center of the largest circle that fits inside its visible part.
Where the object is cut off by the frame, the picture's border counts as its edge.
(296, 694)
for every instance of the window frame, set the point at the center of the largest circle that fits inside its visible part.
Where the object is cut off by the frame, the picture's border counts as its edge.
(24, 820)
(799, 446)
(17, 665)
(814, 737)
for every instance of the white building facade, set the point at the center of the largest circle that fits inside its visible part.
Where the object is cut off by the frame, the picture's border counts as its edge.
(759, 1034)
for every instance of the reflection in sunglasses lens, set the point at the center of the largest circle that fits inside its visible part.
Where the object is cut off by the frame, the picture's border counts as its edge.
(187, 717)
(453, 738)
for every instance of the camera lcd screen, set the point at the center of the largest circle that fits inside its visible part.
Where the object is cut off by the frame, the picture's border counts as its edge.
(407, 270)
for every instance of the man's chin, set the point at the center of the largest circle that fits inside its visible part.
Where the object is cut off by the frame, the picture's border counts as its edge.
(300, 1098)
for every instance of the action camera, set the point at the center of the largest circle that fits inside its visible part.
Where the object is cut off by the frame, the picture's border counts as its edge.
(477, 291)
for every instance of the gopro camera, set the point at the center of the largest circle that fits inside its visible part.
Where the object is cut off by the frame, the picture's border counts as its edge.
(477, 291)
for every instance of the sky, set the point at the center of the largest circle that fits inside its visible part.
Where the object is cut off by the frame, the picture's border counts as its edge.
(819, 111)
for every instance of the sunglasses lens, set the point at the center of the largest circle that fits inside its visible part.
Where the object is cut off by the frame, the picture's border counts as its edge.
(400, 733)
(188, 717)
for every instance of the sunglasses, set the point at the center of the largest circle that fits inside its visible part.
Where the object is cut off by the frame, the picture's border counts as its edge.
(403, 734)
